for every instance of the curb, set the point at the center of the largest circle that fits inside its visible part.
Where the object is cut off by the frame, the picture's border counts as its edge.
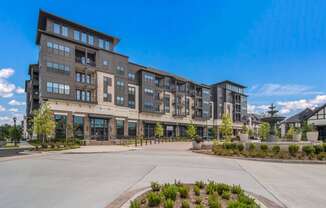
(319, 162)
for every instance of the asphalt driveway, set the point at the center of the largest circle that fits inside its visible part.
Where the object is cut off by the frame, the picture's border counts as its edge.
(97, 179)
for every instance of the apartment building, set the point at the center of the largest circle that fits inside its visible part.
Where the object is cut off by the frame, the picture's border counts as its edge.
(105, 96)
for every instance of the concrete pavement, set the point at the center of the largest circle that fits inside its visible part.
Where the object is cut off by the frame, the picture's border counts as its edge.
(95, 180)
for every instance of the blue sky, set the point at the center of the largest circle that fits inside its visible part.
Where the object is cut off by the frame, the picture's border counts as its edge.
(277, 48)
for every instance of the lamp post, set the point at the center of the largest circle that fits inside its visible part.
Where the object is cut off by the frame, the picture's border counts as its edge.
(14, 135)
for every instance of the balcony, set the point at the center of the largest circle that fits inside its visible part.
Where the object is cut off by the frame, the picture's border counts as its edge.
(84, 58)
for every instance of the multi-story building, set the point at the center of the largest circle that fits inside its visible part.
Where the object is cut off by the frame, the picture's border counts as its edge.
(229, 98)
(102, 94)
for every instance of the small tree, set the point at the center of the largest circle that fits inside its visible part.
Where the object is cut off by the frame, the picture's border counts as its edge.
(290, 133)
(192, 131)
(226, 127)
(43, 122)
(264, 129)
(244, 129)
(15, 134)
(251, 132)
(158, 131)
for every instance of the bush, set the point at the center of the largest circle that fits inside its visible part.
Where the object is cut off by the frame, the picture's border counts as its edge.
(308, 150)
(252, 147)
(236, 189)
(211, 187)
(198, 200)
(155, 186)
(134, 204)
(264, 147)
(197, 190)
(240, 147)
(213, 201)
(228, 145)
(200, 206)
(246, 200)
(185, 204)
(226, 195)
(184, 191)
(154, 199)
(276, 149)
(324, 146)
(321, 156)
(318, 149)
(237, 204)
(200, 184)
(170, 191)
(293, 149)
(168, 203)
(221, 187)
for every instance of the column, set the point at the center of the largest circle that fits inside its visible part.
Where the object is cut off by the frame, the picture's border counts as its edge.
(69, 125)
(87, 129)
(112, 128)
(125, 127)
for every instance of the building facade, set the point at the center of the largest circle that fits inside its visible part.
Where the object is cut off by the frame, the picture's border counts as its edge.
(105, 96)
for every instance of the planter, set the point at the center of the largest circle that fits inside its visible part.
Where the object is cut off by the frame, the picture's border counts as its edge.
(312, 136)
(297, 137)
(196, 145)
(244, 137)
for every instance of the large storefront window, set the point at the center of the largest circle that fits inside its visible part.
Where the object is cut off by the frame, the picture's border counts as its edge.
(78, 127)
(99, 128)
(169, 131)
(200, 131)
(132, 129)
(120, 128)
(149, 130)
(183, 131)
(60, 126)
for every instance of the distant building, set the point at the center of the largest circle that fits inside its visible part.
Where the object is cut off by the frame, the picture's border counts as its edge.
(253, 122)
(296, 120)
(318, 119)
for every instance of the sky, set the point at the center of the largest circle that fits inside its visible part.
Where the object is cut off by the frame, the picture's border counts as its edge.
(276, 48)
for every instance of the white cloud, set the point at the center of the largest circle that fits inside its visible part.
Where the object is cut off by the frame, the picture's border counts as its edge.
(9, 119)
(5, 73)
(13, 110)
(2, 108)
(20, 90)
(17, 103)
(290, 107)
(7, 89)
(281, 90)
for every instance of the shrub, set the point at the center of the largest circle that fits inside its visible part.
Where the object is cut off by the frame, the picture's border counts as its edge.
(184, 191)
(197, 190)
(200, 206)
(170, 191)
(200, 184)
(237, 204)
(198, 200)
(246, 200)
(229, 145)
(252, 147)
(213, 201)
(276, 149)
(134, 204)
(321, 156)
(236, 189)
(168, 203)
(264, 147)
(240, 147)
(155, 186)
(324, 146)
(154, 199)
(211, 187)
(318, 149)
(308, 150)
(185, 204)
(293, 149)
(226, 195)
(221, 187)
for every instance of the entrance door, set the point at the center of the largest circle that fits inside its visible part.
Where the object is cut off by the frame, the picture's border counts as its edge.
(99, 129)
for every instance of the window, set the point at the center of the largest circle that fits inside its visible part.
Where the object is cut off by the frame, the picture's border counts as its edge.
(131, 76)
(106, 95)
(58, 88)
(83, 38)
(107, 45)
(167, 104)
(148, 78)
(120, 84)
(82, 95)
(149, 92)
(90, 40)
(58, 67)
(58, 49)
(105, 62)
(78, 124)
(60, 126)
(83, 78)
(64, 31)
(131, 97)
(120, 100)
(100, 43)
(56, 28)
(132, 128)
(120, 69)
(149, 105)
(76, 35)
(120, 128)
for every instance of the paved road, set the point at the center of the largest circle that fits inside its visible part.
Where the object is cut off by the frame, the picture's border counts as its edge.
(95, 180)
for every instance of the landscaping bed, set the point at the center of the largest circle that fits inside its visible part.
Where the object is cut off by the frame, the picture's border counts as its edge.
(198, 195)
(251, 150)
(54, 146)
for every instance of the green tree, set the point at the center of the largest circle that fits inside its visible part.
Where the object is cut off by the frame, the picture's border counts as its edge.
(251, 132)
(191, 131)
(44, 124)
(263, 131)
(226, 127)
(290, 133)
(15, 134)
(158, 131)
